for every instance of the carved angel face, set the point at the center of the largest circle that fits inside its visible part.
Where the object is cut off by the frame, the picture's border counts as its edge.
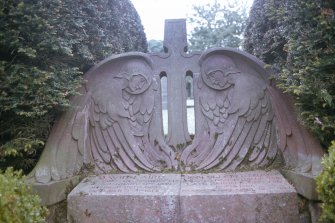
(136, 77)
(216, 72)
(217, 77)
(137, 82)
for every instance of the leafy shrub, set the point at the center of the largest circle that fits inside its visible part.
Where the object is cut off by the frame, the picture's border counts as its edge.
(45, 46)
(298, 39)
(326, 186)
(17, 203)
(155, 46)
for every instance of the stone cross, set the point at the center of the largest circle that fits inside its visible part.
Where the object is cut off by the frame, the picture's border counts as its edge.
(176, 64)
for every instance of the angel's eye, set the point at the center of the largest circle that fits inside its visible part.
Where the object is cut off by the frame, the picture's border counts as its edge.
(142, 79)
(210, 74)
(137, 82)
(215, 73)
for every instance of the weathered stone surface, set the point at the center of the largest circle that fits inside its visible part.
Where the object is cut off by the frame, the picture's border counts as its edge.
(304, 183)
(237, 197)
(55, 191)
(242, 120)
(116, 122)
(176, 43)
(235, 118)
(315, 211)
(256, 196)
(126, 198)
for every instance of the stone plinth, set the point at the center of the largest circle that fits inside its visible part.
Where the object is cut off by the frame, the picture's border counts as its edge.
(304, 183)
(125, 198)
(256, 196)
(55, 191)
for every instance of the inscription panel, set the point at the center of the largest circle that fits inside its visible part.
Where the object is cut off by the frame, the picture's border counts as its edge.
(131, 184)
(123, 198)
(257, 196)
(216, 197)
(260, 182)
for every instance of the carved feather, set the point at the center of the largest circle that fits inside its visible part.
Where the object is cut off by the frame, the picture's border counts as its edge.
(120, 116)
(239, 127)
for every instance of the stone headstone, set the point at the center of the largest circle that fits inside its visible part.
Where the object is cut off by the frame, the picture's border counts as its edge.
(115, 125)
(242, 123)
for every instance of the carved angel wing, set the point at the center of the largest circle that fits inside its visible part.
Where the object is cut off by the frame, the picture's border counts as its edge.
(301, 151)
(238, 129)
(108, 124)
(67, 146)
(120, 115)
(119, 123)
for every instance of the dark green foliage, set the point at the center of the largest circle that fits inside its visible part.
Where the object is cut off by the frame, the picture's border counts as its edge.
(217, 25)
(17, 203)
(155, 46)
(263, 37)
(297, 38)
(45, 46)
(326, 186)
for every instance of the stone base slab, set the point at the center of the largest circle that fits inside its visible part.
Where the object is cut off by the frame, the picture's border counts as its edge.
(55, 191)
(256, 196)
(125, 198)
(304, 183)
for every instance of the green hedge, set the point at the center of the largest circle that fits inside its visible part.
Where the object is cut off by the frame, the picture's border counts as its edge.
(17, 203)
(45, 46)
(326, 186)
(297, 38)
